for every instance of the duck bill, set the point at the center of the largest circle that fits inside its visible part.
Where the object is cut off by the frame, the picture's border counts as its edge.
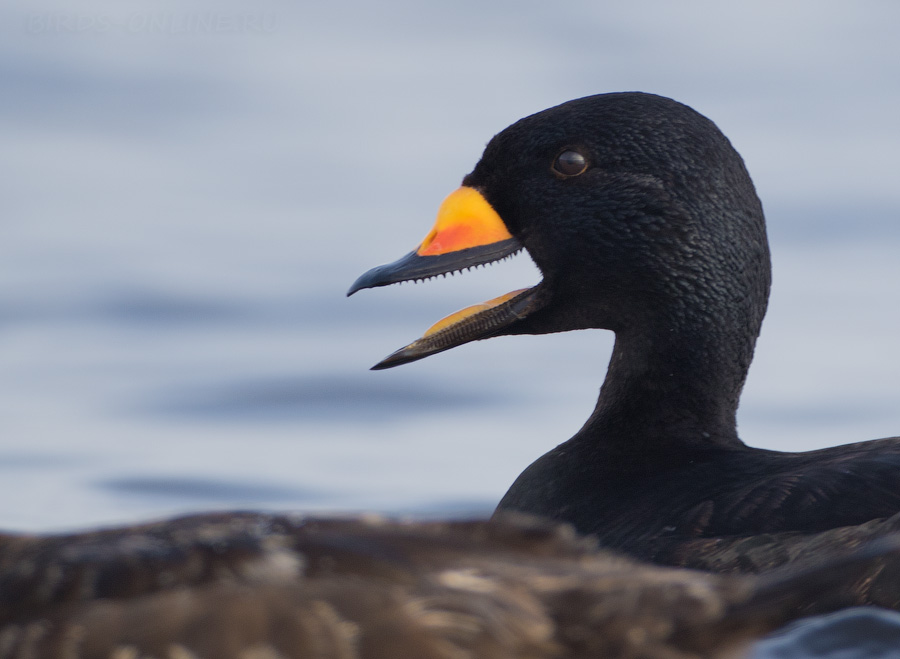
(479, 321)
(467, 232)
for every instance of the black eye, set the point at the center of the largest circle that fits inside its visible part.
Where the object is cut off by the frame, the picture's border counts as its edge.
(570, 163)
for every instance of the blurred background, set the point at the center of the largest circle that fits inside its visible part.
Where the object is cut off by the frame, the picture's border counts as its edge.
(188, 189)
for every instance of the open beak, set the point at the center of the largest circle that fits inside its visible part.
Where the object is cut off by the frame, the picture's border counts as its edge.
(468, 232)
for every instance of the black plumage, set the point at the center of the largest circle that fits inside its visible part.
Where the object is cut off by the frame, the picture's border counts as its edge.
(643, 220)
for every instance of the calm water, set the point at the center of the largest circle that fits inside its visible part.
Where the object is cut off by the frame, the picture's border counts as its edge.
(189, 188)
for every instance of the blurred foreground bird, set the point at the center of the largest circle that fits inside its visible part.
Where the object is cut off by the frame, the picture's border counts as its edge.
(256, 586)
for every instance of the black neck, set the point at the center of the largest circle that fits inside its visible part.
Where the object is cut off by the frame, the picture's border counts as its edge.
(673, 389)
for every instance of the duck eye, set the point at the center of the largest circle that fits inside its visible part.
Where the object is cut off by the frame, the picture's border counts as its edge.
(570, 163)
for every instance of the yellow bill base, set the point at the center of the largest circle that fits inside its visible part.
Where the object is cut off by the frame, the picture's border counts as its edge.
(465, 219)
(462, 314)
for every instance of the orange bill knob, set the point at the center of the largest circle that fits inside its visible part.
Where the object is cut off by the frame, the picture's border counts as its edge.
(468, 232)
(464, 220)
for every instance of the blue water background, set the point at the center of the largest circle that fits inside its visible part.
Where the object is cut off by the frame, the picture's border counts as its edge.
(190, 187)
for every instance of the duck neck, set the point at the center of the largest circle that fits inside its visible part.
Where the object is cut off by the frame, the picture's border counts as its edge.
(670, 391)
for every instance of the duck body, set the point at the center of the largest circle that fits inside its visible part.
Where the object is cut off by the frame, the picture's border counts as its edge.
(643, 220)
(647, 508)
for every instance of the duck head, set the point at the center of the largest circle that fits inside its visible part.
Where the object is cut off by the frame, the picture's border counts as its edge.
(636, 209)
